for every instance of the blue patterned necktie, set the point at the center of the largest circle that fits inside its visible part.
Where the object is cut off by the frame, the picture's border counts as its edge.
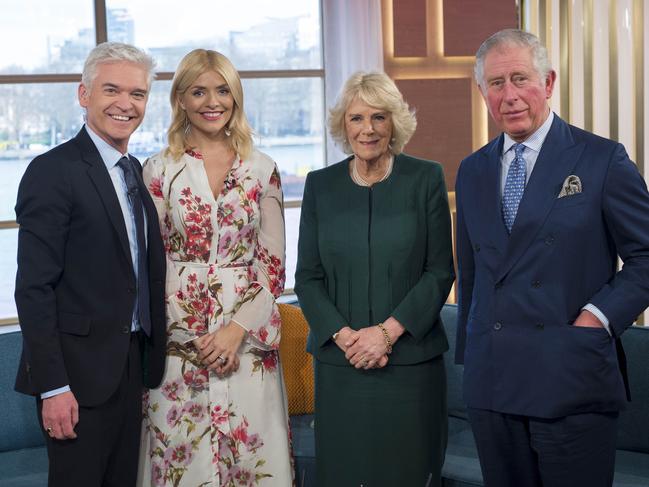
(514, 187)
(134, 197)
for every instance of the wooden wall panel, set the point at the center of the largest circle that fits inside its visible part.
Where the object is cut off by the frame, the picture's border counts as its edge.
(409, 24)
(443, 108)
(469, 22)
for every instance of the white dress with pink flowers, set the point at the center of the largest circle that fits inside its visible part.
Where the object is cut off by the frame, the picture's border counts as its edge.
(225, 261)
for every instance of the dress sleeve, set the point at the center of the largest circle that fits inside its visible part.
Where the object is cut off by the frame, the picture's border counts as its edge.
(320, 311)
(258, 312)
(153, 174)
(428, 295)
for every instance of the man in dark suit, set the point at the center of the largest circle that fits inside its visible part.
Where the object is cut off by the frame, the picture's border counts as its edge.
(90, 281)
(543, 212)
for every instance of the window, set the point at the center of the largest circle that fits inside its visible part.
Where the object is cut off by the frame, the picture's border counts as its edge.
(276, 46)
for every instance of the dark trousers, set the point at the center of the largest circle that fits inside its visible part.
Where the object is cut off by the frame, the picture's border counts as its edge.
(521, 451)
(105, 452)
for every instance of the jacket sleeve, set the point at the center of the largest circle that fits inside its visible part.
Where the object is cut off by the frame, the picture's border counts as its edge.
(258, 312)
(323, 316)
(626, 214)
(465, 271)
(419, 309)
(154, 176)
(43, 211)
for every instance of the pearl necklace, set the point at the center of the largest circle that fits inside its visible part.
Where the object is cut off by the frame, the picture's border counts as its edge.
(358, 179)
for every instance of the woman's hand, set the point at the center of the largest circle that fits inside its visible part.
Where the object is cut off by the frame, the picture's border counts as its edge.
(394, 329)
(344, 338)
(366, 348)
(218, 350)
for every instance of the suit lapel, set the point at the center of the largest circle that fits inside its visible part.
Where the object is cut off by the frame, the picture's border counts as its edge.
(104, 185)
(557, 159)
(488, 192)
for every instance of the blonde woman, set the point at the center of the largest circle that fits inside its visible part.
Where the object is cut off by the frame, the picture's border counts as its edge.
(220, 416)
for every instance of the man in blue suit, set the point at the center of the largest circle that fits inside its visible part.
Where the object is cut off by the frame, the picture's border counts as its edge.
(543, 212)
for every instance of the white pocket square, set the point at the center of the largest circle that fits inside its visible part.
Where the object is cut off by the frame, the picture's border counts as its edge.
(572, 185)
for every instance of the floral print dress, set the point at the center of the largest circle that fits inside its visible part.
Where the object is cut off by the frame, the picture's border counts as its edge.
(225, 261)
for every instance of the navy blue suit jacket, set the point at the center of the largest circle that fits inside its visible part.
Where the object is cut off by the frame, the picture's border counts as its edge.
(519, 294)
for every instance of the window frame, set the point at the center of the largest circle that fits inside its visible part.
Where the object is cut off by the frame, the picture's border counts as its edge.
(101, 35)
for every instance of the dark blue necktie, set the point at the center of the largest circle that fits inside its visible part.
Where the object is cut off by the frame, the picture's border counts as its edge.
(135, 199)
(514, 187)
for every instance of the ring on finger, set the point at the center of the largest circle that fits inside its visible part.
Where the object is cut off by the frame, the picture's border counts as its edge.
(221, 360)
(49, 431)
(365, 363)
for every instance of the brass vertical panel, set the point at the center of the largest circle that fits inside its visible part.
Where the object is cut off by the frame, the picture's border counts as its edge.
(588, 66)
(543, 22)
(564, 49)
(527, 15)
(638, 61)
(612, 32)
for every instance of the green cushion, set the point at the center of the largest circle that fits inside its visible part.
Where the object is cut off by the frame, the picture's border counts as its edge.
(18, 421)
(24, 468)
(461, 466)
(631, 469)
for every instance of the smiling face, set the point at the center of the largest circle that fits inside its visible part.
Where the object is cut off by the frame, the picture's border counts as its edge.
(209, 104)
(116, 101)
(368, 130)
(515, 93)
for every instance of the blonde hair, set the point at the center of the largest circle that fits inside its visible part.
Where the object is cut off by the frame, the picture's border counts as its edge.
(190, 68)
(377, 90)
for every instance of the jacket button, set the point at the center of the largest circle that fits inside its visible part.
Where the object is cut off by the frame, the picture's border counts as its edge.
(549, 240)
(536, 283)
(126, 329)
(498, 326)
(539, 326)
(477, 247)
(498, 285)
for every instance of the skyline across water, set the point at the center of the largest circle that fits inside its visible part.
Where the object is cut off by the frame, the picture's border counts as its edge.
(293, 162)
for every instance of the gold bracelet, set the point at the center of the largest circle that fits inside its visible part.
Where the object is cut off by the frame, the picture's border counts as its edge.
(388, 342)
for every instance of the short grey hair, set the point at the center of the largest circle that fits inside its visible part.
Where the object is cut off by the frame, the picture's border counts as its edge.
(512, 37)
(114, 52)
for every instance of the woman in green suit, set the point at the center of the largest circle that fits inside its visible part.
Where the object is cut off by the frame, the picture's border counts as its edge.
(374, 268)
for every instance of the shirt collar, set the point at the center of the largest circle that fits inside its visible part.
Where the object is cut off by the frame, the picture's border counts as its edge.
(534, 141)
(108, 153)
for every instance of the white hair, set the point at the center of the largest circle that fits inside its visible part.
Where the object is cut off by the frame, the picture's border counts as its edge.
(112, 52)
(514, 37)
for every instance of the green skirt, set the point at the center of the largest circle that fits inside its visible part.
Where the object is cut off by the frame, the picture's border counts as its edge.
(380, 428)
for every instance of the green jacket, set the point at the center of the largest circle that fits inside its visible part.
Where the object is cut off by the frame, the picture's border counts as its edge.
(365, 254)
